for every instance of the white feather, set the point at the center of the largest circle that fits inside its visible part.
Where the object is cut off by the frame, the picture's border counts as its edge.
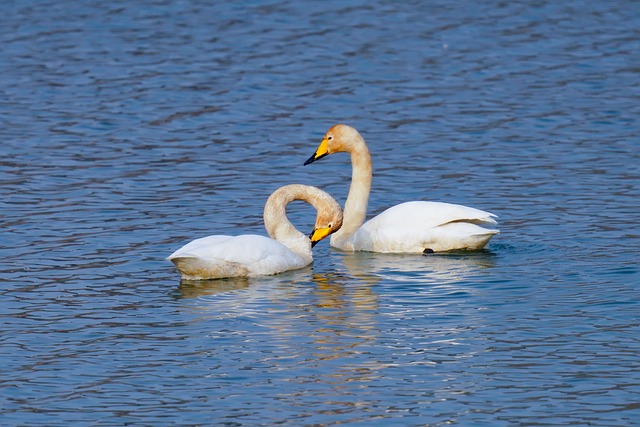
(419, 226)
(233, 256)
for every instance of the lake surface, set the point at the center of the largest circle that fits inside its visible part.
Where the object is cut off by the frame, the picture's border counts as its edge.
(129, 128)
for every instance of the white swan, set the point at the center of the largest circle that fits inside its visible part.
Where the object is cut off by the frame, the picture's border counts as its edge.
(404, 228)
(250, 255)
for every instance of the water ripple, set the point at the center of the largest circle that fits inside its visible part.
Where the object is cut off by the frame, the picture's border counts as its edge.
(129, 129)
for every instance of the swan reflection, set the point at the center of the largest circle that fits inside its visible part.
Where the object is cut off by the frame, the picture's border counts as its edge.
(197, 288)
(311, 318)
(441, 268)
(330, 322)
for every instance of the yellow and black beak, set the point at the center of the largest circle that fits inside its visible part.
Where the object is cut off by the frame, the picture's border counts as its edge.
(318, 234)
(323, 150)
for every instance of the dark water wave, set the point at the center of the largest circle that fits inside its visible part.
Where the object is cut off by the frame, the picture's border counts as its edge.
(130, 129)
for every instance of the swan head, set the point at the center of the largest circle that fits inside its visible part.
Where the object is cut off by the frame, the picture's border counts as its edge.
(328, 220)
(340, 138)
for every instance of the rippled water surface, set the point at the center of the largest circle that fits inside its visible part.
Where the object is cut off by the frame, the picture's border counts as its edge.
(129, 128)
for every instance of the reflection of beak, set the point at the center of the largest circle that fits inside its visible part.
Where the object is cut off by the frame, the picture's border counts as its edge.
(323, 150)
(318, 234)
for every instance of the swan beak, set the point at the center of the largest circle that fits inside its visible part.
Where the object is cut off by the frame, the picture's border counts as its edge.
(318, 234)
(323, 150)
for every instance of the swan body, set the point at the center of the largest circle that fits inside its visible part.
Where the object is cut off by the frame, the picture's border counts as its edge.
(410, 227)
(251, 255)
(235, 256)
(419, 227)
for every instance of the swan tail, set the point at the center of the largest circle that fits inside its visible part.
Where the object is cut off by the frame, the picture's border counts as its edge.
(458, 235)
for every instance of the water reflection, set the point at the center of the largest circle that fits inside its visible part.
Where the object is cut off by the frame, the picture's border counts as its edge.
(340, 322)
(315, 319)
(433, 268)
(145, 121)
(197, 288)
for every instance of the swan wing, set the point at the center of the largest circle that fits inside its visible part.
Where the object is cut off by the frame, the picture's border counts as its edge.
(429, 215)
(232, 256)
(418, 226)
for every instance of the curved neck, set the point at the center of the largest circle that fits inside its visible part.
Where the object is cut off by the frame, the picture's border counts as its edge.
(280, 228)
(355, 208)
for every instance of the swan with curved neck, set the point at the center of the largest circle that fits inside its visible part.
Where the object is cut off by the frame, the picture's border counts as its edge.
(409, 227)
(250, 255)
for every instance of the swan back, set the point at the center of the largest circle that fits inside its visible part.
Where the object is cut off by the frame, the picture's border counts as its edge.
(246, 255)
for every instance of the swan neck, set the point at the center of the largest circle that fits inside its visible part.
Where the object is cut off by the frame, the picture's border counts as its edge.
(281, 229)
(355, 208)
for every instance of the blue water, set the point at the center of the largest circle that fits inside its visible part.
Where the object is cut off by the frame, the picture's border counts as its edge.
(129, 128)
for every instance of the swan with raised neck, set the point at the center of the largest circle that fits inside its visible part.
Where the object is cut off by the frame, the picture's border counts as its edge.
(417, 226)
